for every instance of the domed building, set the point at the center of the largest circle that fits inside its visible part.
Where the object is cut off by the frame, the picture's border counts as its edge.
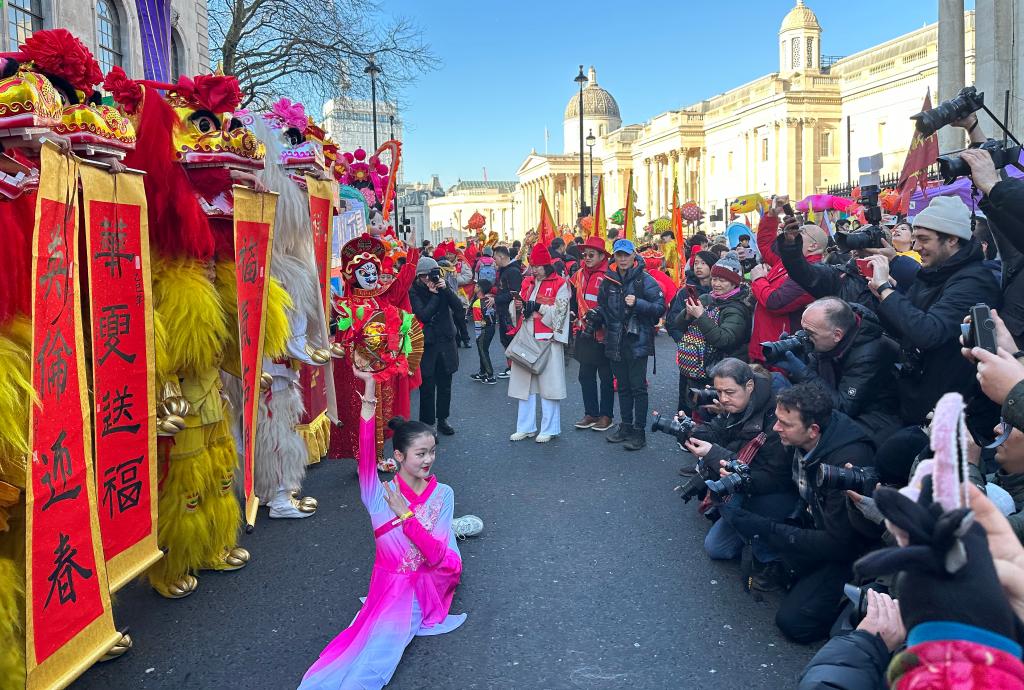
(600, 115)
(798, 130)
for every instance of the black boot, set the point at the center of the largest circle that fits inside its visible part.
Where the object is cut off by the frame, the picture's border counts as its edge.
(638, 440)
(621, 433)
(444, 427)
(772, 577)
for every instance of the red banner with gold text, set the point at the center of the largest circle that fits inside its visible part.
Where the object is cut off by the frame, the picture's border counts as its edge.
(254, 233)
(321, 221)
(68, 618)
(120, 293)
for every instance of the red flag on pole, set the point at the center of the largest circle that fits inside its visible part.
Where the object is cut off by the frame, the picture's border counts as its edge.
(677, 228)
(546, 227)
(922, 153)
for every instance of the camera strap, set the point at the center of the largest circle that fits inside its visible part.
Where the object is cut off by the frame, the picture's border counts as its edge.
(749, 450)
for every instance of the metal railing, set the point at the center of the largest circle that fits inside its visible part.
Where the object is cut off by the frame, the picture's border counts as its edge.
(886, 182)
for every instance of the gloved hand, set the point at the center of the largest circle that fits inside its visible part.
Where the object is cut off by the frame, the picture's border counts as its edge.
(946, 571)
(530, 307)
(795, 368)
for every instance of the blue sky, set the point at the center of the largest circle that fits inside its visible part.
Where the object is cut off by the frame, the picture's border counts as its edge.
(507, 67)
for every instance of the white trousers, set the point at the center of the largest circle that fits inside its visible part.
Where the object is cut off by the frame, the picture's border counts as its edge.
(550, 413)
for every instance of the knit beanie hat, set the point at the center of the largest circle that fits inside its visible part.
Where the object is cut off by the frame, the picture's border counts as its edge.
(425, 265)
(728, 268)
(710, 258)
(488, 251)
(540, 256)
(948, 215)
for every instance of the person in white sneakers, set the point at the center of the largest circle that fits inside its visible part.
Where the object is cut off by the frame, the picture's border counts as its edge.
(543, 305)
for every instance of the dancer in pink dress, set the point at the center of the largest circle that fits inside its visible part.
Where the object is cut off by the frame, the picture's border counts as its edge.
(417, 565)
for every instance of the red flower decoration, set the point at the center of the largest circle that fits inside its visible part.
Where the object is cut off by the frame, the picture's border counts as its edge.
(125, 91)
(58, 52)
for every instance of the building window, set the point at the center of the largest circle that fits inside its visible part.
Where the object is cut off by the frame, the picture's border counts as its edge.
(764, 149)
(176, 66)
(23, 18)
(795, 51)
(108, 28)
(826, 144)
(810, 52)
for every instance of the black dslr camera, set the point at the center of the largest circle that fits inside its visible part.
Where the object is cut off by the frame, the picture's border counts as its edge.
(951, 165)
(981, 331)
(867, 236)
(799, 344)
(434, 276)
(680, 426)
(591, 322)
(730, 483)
(859, 479)
(698, 397)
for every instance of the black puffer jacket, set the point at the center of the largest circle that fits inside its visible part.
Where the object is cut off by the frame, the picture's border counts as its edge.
(926, 321)
(507, 285)
(1004, 208)
(823, 279)
(629, 331)
(770, 470)
(730, 336)
(833, 536)
(437, 312)
(861, 375)
(856, 661)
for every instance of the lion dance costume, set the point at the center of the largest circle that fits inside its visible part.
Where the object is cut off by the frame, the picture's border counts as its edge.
(191, 149)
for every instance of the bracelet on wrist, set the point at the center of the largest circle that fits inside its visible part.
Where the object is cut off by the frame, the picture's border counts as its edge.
(406, 515)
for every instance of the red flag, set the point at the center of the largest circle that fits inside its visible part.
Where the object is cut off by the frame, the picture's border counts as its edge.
(922, 153)
(677, 227)
(546, 227)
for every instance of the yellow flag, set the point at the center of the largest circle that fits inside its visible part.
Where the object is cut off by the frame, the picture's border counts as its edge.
(629, 223)
(599, 226)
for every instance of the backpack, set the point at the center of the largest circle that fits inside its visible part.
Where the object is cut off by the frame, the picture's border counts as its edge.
(486, 269)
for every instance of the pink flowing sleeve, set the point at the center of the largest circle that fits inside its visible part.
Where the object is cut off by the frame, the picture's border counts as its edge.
(433, 545)
(370, 489)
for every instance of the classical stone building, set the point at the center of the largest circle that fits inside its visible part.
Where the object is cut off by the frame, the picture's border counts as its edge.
(495, 201)
(113, 30)
(796, 130)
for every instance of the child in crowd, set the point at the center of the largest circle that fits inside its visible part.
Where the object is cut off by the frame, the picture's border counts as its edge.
(483, 325)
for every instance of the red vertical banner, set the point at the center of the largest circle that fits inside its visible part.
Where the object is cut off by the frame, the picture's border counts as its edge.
(120, 293)
(68, 618)
(321, 221)
(254, 233)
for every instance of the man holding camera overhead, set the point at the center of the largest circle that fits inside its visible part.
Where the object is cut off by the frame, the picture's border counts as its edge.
(743, 430)
(829, 456)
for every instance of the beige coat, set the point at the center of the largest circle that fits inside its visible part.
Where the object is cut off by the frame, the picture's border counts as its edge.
(550, 383)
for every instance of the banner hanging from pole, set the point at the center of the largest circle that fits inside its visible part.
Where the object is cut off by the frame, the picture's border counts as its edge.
(68, 620)
(629, 220)
(254, 233)
(120, 294)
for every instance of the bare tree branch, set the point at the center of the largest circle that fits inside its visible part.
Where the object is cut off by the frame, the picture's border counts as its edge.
(313, 50)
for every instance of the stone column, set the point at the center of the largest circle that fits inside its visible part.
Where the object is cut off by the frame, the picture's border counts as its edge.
(951, 65)
(791, 184)
(993, 59)
(809, 158)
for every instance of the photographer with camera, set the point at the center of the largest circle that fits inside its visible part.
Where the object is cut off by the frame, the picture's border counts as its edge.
(439, 309)
(926, 320)
(830, 454)
(854, 360)
(631, 304)
(743, 430)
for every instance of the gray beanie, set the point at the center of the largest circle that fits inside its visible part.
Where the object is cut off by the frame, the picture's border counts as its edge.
(948, 215)
(425, 265)
(728, 268)
(488, 251)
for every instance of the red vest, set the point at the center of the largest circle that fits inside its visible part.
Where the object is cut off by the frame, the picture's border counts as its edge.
(549, 288)
(587, 284)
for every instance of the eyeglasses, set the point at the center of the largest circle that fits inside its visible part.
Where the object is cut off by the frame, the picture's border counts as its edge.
(591, 255)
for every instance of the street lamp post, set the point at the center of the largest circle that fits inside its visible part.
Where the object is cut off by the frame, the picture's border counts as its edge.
(373, 70)
(581, 79)
(591, 140)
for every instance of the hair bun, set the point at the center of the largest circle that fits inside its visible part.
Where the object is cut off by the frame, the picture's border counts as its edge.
(396, 423)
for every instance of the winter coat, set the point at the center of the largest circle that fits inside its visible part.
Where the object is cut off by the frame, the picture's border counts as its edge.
(833, 536)
(728, 337)
(550, 382)
(1004, 206)
(437, 312)
(855, 661)
(629, 331)
(1014, 485)
(780, 300)
(822, 279)
(507, 286)
(770, 470)
(861, 375)
(926, 322)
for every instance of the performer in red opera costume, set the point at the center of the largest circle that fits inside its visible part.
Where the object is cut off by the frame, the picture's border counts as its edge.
(365, 295)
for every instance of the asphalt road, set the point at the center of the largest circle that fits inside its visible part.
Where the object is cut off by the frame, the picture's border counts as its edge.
(589, 574)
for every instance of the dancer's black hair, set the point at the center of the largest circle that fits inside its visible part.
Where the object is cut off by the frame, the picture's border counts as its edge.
(406, 431)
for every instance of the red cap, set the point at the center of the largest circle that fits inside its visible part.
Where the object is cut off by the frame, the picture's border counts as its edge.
(540, 256)
(595, 242)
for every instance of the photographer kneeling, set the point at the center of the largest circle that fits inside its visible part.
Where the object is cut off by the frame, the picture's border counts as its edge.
(821, 551)
(855, 361)
(743, 431)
